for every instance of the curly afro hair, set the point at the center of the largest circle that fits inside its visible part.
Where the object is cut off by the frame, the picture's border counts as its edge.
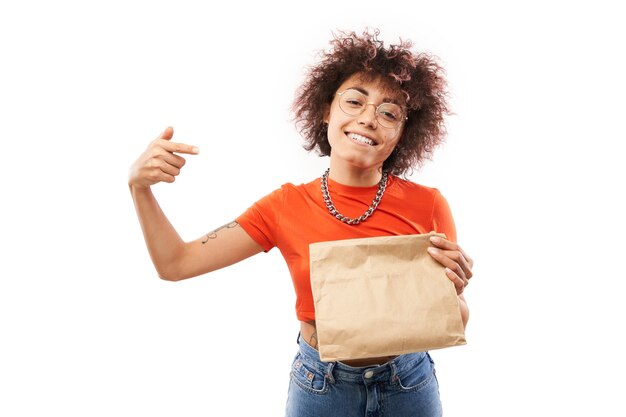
(418, 76)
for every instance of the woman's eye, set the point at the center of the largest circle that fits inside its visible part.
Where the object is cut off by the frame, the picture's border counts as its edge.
(389, 116)
(354, 102)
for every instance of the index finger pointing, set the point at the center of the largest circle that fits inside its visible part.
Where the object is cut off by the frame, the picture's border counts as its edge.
(179, 147)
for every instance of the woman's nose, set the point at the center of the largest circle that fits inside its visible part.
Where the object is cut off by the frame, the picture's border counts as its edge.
(368, 117)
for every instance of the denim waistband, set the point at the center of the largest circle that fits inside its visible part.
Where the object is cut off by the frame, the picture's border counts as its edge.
(367, 374)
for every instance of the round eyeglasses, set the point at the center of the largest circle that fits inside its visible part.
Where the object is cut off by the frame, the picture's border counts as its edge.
(354, 103)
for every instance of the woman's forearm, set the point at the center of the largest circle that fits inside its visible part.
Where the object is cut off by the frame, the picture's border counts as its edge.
(164, 244)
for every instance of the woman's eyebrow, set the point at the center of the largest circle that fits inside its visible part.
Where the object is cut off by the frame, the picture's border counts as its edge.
(366, 93)
(360, 90)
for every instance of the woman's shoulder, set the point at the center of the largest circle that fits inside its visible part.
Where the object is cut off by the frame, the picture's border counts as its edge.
(291, 186)
(301, 187)
(408, 186)
(302, 184)
(290, 190)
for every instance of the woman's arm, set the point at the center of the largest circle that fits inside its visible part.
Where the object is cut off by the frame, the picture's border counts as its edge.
(173, 258)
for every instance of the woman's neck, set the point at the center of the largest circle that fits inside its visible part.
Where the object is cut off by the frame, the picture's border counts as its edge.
(355, 176)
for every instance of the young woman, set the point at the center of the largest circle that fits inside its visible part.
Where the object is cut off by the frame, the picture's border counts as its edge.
(376, 111)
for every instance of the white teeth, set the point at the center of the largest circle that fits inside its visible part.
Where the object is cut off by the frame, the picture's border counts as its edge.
(361, 139)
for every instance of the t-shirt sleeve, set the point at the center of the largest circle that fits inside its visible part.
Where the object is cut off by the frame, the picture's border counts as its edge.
(442, 219)
(261, 220)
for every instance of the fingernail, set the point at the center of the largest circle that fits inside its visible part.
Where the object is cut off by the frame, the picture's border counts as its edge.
(195, 150)
(435, 239)
(432, 250)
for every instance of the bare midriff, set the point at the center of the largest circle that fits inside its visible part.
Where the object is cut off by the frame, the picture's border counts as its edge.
(308, 332)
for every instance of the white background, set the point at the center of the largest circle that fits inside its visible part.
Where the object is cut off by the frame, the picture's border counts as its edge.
(531, 168)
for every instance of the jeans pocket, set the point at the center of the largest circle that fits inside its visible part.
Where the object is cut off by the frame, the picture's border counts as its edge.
(307, 376)
(417, 375)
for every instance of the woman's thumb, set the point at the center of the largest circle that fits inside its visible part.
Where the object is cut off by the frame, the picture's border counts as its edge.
(167, 134)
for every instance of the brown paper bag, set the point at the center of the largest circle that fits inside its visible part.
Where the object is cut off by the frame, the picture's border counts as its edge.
(382, 296)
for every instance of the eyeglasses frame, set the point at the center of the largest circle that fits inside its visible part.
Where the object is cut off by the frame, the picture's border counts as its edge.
(367, 103)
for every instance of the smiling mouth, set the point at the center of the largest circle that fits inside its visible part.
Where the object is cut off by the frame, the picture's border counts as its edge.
(360, 139)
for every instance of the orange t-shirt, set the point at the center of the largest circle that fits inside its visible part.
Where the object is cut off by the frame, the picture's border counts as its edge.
(295, 216)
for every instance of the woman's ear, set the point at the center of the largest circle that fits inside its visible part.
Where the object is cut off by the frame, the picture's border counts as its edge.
(326, 113)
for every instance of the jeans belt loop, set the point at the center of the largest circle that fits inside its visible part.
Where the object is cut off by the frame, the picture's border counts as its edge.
(394, 372)
(329, 372)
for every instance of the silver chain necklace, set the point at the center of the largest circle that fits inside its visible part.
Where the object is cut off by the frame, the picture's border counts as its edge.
(331, 207)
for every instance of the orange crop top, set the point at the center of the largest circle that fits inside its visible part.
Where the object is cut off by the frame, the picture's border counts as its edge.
(294, 216)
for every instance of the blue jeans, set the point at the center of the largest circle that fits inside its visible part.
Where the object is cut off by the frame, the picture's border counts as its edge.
(405, 386)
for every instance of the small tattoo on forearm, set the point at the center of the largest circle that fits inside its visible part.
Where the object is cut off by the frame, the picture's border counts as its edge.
(213, 234)
(313, 340)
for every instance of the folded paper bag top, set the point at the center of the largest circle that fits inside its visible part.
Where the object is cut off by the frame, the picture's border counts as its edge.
(382, 296)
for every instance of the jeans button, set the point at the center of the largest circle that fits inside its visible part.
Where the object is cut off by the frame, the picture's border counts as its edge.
(368, 374)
